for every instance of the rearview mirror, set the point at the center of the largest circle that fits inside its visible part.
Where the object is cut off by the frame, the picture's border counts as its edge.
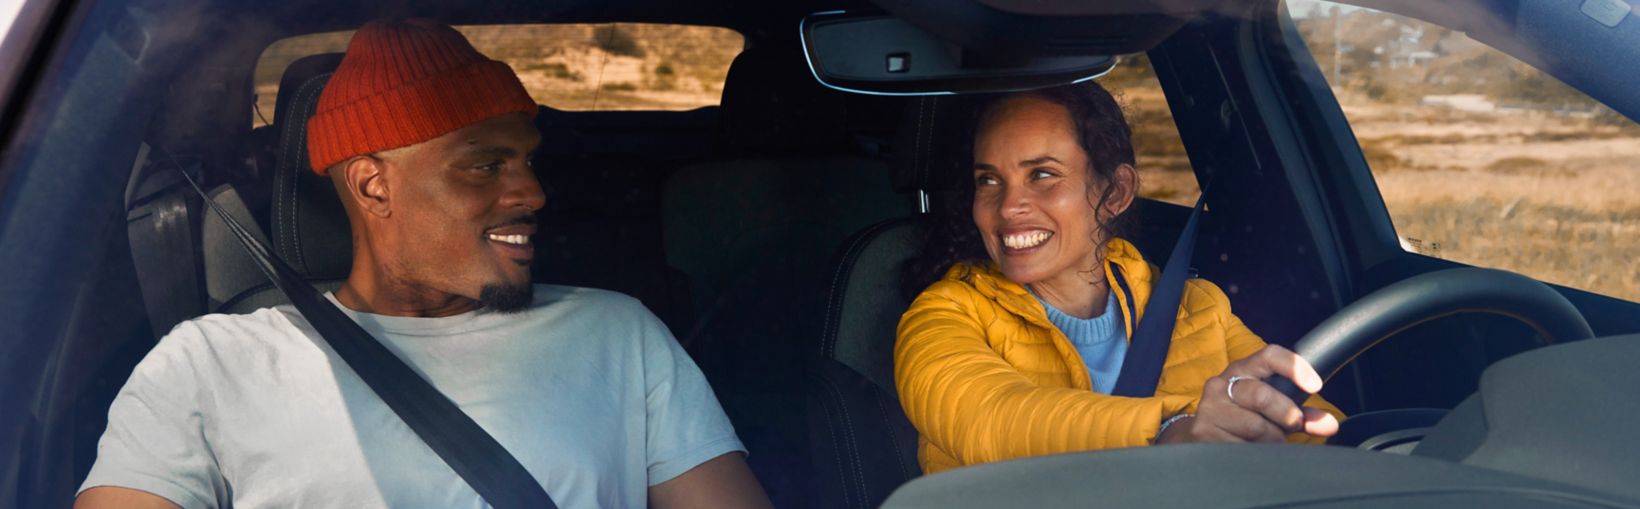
(885, 55)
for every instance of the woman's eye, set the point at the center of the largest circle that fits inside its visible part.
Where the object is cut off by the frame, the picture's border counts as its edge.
(1042, 174)
(985, 180)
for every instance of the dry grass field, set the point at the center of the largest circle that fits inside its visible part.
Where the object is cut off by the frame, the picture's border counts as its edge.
(1538, 193)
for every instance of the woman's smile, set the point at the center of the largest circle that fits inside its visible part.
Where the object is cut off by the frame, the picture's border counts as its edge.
(1017, 242)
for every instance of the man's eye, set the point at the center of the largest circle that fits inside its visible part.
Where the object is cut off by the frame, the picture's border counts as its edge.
(489, 167)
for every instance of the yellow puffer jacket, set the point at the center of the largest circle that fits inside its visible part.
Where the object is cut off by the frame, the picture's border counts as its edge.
(984, 376)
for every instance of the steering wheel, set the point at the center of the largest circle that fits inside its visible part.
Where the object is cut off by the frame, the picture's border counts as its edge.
(1400, 306)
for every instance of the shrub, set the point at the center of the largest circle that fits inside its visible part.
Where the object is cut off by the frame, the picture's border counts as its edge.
(614, 40)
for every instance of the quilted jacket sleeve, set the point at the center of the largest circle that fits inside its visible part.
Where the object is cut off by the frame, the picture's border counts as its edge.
(1242, 342)
(965, 399)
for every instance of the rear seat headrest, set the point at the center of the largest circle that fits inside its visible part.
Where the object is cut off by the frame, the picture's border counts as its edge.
(772, 103)
(929, 146)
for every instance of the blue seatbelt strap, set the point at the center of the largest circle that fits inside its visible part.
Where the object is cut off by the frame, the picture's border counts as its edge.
(1147, 349)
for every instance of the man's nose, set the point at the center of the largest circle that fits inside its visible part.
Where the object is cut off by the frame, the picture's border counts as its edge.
(524, 190)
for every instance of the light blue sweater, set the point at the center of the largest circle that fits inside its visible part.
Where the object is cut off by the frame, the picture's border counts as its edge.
(1101, 340)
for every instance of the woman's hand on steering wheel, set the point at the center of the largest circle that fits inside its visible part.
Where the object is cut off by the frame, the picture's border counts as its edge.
(1237, 406)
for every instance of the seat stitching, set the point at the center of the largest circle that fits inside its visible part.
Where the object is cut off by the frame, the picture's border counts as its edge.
(834, 303)
(848, 426)
(287, 175)
(851, 256)
(309, 94)
(295, 224)
(295, 191)
(833, 325)
(281, 175)
(888, 425)
(842, 472)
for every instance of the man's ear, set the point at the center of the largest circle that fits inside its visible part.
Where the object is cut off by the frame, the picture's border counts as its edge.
(364, 182)
(1124, 188)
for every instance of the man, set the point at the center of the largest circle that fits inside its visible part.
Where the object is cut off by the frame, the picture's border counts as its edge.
(428, 144)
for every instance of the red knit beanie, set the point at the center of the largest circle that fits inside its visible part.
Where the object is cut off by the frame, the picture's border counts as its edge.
(403, 83)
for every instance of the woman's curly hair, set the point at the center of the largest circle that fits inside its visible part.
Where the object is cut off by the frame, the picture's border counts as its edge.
(1101, 130)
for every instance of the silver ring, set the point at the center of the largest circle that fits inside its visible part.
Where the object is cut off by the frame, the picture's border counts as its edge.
(1230, 389)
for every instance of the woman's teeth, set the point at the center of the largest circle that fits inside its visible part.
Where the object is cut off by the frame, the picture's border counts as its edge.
(511, 239)
(1025, 240)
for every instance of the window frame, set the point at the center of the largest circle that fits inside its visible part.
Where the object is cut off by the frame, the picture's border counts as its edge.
(261, 54)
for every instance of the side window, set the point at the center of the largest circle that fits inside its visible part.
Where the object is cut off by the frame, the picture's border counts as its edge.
(571, 67)
(1483, 159)
(1164, 170)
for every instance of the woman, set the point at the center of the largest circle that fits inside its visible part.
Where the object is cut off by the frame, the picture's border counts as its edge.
(1013, 352)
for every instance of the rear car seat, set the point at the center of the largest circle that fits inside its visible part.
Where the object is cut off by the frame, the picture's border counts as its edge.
(601, 227)
(187, 262)
(754, 232)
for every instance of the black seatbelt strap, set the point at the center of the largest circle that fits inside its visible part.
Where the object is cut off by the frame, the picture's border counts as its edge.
(1147, 349)
(494, 473)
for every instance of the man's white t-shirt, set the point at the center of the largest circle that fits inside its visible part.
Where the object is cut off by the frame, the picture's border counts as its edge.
(585, 387)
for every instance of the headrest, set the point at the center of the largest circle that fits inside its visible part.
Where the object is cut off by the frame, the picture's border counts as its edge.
(772, 103)
(929, 145)
(310, 230)
(297, 72)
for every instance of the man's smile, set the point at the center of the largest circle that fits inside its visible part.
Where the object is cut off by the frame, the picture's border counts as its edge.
(510, 239)
(513, 240)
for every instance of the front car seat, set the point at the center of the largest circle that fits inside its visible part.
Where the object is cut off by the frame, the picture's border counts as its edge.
(863, 445)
